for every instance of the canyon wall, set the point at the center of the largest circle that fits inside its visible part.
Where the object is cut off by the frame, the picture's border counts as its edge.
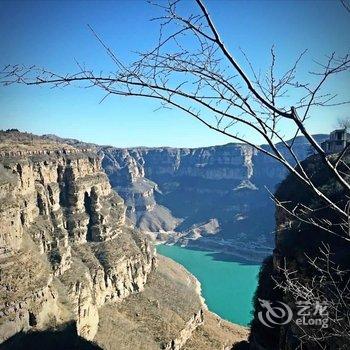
(309, 267)
(73, 269)
(212, 197)
(64, 247)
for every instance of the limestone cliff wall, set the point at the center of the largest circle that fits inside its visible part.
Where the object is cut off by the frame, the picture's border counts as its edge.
(70, 261)
(57, 213)
(201, 196)
(233, 162)
(186, 195)
(156, 183)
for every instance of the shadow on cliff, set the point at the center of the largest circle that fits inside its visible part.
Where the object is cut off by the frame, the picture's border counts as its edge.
(63, 338)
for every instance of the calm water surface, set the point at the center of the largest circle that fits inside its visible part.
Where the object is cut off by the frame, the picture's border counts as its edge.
(228, 285)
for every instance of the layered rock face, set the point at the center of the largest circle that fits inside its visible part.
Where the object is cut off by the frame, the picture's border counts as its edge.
(212, 197)
(65, 250)
(74, 270)
(154, 180)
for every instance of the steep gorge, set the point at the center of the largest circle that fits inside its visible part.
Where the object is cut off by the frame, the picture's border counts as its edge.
(69, 254)
(52, 239)
(212, 197)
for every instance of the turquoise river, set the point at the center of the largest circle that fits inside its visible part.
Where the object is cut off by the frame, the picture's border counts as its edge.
(228, 285)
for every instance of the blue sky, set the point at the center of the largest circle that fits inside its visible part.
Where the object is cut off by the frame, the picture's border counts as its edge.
(53, 34)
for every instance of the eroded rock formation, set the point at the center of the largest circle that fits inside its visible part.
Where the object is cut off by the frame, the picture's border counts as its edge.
(70, 261)
(65, 250)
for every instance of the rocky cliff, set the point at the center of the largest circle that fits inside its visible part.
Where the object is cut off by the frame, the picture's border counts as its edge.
(309, 268)
(57, 214)
(69, 256)
(212, 196)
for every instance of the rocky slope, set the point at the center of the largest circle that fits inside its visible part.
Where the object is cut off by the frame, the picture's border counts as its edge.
(138, 323)
(211, 197)
(69, 256)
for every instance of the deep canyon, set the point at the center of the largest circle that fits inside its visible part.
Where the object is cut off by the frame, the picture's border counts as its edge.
(73, 267)
(212, 197)
(78, 224)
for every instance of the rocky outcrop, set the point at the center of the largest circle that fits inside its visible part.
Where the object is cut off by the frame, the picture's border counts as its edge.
(65, 250)
(215, 334)
(169, 314)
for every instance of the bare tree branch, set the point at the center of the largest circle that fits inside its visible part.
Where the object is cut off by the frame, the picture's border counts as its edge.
(192, 70)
